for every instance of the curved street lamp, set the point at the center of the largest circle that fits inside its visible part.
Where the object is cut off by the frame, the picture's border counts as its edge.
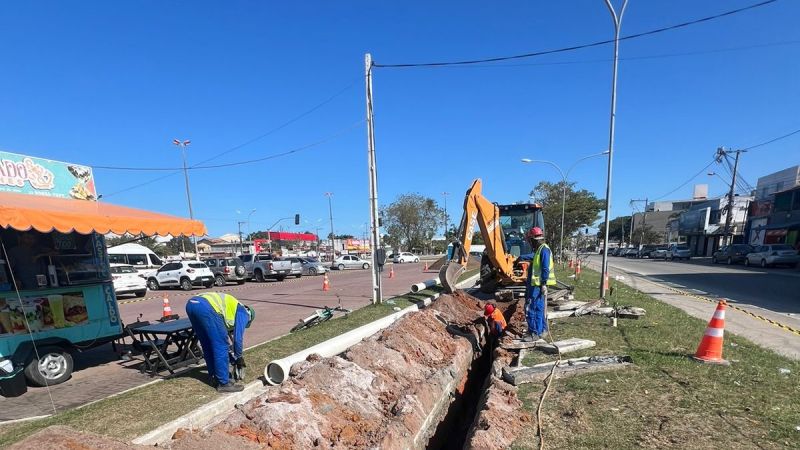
(564, 176)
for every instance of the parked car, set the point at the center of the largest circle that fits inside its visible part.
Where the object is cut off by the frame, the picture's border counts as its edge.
(263, 266)
(677, 251)
(773, 255)
(660, 252)
(183, 274)
(127, 280)
(227, 269)
(404, 257)
(136, 255)
(297, 267)
(310, 266)
(350, 262)
(645, 250)
(731, 254)
(631, 252)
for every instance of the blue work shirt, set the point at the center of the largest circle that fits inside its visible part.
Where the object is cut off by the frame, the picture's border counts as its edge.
(544, 276)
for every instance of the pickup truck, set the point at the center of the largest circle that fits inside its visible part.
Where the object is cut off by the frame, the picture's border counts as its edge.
(262, 266)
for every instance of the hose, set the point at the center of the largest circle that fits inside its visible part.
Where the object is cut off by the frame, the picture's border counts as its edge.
(548, 381)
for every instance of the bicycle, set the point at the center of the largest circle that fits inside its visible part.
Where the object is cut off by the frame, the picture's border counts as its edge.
(319, 316)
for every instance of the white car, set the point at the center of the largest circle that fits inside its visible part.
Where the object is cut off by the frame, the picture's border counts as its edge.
(677, 251)
(127, 280)
(183, 274)
(405, 257)
(772, 255)
(350, 262)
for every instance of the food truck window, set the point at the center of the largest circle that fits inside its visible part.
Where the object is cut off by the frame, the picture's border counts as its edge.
(137, 260)
(44, 260)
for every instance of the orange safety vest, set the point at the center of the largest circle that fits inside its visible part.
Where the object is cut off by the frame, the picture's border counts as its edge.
(497, 317)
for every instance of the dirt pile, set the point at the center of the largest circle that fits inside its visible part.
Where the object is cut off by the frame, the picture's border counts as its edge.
(389, 391)
(59, 437)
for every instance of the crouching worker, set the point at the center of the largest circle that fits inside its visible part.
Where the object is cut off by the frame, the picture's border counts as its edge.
(213, 316)
(497, 323)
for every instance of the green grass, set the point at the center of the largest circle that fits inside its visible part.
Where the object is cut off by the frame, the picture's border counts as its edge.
(134, 413)
(667, 400)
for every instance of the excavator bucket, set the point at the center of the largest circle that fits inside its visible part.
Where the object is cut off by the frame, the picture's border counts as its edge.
(449, 274)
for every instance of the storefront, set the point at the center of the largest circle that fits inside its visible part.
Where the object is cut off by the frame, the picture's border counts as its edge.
(56, 294)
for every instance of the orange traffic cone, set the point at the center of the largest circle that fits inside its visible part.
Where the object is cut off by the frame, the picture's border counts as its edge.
(426, 267)
(391, 271)
(605, 281)
(167, 309)
(326, 286)
(578, 270)
(710, 349)
(570, 263)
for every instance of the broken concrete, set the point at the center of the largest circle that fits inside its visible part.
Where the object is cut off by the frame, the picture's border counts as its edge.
(568, 306)
(630, 312)
(565, 368)
(560, 314)
(566, 345)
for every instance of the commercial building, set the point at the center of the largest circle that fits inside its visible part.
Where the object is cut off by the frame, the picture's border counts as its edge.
(775, 213)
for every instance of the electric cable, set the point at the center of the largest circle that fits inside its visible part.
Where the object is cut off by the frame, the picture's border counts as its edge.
(576, 47)
(772, 140)
(687, 181)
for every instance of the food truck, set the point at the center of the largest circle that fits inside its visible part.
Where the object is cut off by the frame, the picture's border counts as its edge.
(56, 292)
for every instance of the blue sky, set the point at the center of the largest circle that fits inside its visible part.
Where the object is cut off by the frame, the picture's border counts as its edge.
(111, 84)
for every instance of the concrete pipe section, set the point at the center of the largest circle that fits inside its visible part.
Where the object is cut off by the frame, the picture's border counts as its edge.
(425, 285)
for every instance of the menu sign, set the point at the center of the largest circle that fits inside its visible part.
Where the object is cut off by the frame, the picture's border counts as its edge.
(37, 176)
(45, 312)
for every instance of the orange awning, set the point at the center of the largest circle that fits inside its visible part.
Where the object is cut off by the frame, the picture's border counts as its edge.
(23, 212)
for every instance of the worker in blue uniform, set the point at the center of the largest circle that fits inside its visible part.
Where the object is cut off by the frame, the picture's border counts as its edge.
(214, 315)
(540, 275)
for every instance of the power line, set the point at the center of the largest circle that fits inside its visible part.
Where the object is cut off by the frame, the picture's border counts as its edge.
(772, 140)
(687, 181)
(577, 47)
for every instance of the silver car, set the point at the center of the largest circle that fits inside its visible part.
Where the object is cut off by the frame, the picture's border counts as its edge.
(309, 266)
(677, 251)
(350, 262)
(773, 255)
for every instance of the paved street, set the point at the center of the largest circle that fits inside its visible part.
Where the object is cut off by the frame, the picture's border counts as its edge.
(278, 305)
(772, 294)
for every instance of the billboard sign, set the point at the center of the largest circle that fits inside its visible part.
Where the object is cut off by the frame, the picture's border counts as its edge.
(694, 221)
(37, 176)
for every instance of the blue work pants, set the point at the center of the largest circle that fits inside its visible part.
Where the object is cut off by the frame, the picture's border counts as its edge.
(535, 312)
(213, 336)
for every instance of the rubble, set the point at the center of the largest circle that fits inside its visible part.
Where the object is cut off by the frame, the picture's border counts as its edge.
(565, 368)
(566, 345)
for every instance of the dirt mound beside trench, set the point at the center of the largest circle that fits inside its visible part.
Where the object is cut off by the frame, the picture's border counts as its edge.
(388, 392)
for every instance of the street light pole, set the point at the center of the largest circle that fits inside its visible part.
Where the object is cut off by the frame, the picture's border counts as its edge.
(563, 190)
(445, 194)
(377, 289)
(330, 212)
(183, 144)
(612, 118)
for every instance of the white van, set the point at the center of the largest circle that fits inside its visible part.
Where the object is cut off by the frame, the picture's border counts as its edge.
(138, 256)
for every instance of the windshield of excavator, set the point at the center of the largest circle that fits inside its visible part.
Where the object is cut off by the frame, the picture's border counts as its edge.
(516, 220)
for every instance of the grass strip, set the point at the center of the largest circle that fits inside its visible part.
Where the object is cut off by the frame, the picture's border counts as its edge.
(136, 412)
(667, 400)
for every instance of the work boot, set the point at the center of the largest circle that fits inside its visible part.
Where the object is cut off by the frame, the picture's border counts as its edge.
(230, 387)
(530, 338)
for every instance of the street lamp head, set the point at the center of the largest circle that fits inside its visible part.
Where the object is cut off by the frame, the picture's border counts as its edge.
(526, 160)
(711, 174)
(605, 152)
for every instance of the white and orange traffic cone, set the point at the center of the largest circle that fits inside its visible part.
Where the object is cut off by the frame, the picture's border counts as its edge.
(605, 282)
(326, 286)
(710, 349)
(578, 270)
(391, 271)
(570, 263)
(167, 310)
(426, 267)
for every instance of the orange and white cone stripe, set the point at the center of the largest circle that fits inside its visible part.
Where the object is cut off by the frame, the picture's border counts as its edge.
(167, 310)
(710, 348)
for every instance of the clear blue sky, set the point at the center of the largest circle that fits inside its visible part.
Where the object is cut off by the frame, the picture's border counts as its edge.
(112, 83)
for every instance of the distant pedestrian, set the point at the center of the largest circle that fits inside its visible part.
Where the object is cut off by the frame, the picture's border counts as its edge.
(213, 316)
(497, 323)
(540, 275)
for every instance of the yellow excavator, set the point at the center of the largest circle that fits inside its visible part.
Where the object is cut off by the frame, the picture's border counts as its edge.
(503, 228)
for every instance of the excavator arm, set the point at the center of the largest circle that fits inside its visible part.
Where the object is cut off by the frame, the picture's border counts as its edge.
(477, 209)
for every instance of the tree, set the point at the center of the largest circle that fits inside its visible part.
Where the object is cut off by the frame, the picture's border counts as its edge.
(179, 244)
(619, 229)
(411, 221)
(581, 207)
(646, 235)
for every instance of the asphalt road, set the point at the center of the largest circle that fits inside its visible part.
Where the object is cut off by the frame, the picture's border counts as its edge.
(773, 289)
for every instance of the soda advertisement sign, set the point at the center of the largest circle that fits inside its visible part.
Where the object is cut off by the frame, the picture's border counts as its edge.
(38, 176)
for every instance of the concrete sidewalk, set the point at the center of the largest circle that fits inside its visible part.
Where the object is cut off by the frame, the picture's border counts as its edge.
(783, 341)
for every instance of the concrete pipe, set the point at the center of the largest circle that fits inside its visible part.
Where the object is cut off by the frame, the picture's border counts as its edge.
(277, 371)
(425, 285)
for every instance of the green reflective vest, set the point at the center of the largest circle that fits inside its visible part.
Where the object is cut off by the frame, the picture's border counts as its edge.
(224, 305)
(536, 266)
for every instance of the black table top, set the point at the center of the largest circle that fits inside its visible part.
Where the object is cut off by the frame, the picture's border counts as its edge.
(173, 326)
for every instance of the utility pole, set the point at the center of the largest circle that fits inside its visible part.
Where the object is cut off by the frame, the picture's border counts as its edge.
(612, 117)
(183, 144)
(330, 212)
(721, 153)
(377, 294)
(241, 243)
